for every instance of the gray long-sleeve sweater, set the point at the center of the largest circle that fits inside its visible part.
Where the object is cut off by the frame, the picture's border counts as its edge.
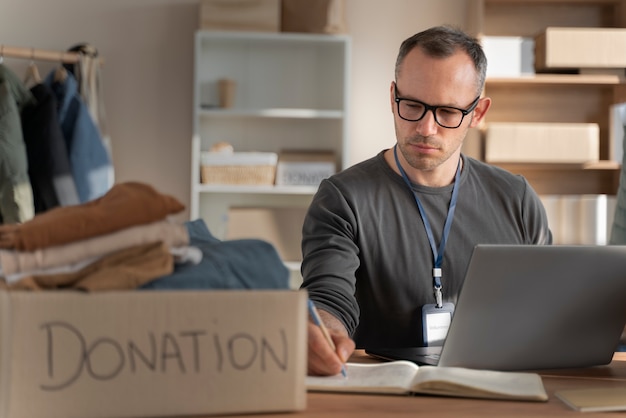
(367, 259)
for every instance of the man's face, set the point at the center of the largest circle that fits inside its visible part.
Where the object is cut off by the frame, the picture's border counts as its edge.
(451, 81)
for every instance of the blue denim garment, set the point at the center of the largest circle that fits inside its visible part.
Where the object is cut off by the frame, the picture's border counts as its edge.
(233, 264)
(89, 158)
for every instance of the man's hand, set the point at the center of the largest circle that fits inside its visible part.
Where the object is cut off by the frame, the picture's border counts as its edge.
(322, 360)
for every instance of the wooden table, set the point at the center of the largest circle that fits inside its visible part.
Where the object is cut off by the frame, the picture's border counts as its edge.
(376, 406)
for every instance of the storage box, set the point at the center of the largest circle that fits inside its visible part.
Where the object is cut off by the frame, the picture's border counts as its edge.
(509, 56)
(313, 16)
(304, 168)
(617, 129)
(281, 226)
(542, 142)
(144, 353)
(240, 15)
(474, 144)
(560, 47)
(256, 168)
(580, 219)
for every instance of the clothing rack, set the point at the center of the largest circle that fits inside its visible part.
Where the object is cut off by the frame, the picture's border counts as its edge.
(40, 54)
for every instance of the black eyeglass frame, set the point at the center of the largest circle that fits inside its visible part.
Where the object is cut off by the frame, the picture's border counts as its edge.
(433, 109)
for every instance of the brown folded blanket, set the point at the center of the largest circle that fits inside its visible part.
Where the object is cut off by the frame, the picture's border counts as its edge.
(126, 204)
(122, 270)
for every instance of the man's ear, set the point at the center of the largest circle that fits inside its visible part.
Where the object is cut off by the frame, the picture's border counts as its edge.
(480, 111)
(392, 98)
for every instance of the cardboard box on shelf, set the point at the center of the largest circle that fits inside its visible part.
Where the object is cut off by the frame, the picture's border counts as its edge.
(474, 144)
(567, 48)
(280, 226)
(617, 129)
(509, 142)
(147, 353)
(304, 168)
(592, 216)
(313, 16)
(240, 15)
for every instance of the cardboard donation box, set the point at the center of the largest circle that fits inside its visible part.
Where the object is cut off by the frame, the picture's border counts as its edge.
(573, 143)
(240, 15)
(560, 47)
(304, 168)
(144, 353)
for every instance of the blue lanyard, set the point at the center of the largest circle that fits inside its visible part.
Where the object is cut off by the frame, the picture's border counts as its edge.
(437, 254)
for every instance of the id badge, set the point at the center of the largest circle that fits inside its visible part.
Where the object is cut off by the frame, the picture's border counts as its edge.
(436, 322)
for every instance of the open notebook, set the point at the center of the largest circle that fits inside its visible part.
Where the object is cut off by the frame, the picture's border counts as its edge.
(405, 378)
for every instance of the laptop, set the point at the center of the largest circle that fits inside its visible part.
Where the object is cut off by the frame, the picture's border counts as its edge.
(530, 307)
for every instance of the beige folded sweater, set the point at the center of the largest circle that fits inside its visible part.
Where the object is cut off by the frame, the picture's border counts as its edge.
(14, 262)
(125, 205)
(122, 270)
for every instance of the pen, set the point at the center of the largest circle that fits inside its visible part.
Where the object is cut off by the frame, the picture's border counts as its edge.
(318, 321)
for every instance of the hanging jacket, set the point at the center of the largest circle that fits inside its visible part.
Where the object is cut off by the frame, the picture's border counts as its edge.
(48, 163)
(16, 195)
(89, 159)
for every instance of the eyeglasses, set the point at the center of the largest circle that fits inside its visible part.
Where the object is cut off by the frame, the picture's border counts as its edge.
(446, 116)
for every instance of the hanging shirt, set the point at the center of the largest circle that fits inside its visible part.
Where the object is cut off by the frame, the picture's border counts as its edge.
(48, 163)
(89, 158)
(16, 195)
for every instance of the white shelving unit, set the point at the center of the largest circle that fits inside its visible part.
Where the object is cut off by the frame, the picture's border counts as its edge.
(290, 94)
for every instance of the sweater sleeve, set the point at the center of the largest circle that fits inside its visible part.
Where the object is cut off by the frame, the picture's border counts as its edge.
(330, 255)
(618, 228)
(535, 218)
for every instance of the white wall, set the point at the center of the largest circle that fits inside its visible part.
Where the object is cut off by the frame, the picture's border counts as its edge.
(377, 29)
(148, 72)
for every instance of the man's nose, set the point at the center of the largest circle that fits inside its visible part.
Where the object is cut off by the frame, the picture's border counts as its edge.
(427, 125)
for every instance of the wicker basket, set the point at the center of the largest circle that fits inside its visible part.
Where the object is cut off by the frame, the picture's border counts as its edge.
(238, 174)
(238, 168)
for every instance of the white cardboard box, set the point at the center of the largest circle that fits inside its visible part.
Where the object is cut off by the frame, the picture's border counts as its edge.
(580, 219)
(151, 353)
(617, 128)
(304, 168)
(561, 47)
(510, 142)
(509, 56)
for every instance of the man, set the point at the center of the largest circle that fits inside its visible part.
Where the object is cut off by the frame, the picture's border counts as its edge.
(391, 237)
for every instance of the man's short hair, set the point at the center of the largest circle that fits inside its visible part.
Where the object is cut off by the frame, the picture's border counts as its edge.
(442, 42)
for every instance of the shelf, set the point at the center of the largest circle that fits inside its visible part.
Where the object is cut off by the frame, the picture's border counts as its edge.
(528, 18)
(569, 179)
(596, 165)
(558, 79)
(290, 93)
(284, 113)
(255, 189)
(576, 196)
(273, 37)
(557, 2)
